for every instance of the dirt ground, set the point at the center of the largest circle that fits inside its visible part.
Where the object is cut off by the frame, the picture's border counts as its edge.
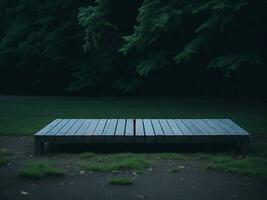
(154, 183)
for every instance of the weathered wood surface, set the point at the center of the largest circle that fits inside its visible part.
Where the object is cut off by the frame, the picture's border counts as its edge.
(140, 131)
(143, 127)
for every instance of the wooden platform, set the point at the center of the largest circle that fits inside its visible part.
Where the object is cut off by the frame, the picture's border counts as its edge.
(140, 131)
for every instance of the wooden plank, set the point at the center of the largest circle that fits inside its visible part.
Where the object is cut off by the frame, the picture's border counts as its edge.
(129, 127)
(165, 127)
(106, 126)
(139, 128)
(157, 128)
(219, 130)
(100, 127)
(148, 128)
(47, 128)
(92, 127)
(84, 127)
(233, 125)
(229, 130)
(111, 127)
(183, 127)
(67, 126)
(120, 129)
(194, 130)
(203, 127)
(55, 129)
(75, 127)
(174, 127)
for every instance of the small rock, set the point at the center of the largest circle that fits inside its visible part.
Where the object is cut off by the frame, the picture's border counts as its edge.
(181, 167)
(24, 193)
(150, 169)
(181, 178)
(71, 183)
(134, 173)
(82, 172)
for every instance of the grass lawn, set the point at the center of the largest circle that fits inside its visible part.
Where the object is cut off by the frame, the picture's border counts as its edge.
(26, 115)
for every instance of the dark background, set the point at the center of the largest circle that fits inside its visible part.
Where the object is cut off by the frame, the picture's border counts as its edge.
(133, 48)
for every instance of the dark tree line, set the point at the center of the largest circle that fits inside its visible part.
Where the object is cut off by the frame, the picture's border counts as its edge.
(104, 47)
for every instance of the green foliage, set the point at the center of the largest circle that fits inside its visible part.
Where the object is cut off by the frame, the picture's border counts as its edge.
(128, 45)
(233, 61)
(40, 43)
(213, 19)
(153, 62)
(154, 18)
(93, 19)
(104, 24)
(190, 49)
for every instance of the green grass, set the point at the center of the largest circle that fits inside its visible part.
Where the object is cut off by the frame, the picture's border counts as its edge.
(120, 181)
(24, 116)
(169, 156)
(3, 162)
(87, 155)
(115, 162)
(250, 166)
(4, 157)
(39, 171)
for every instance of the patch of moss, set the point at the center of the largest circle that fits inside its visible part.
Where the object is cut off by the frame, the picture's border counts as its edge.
(4, 157)
(39, 171)
(120, 181)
